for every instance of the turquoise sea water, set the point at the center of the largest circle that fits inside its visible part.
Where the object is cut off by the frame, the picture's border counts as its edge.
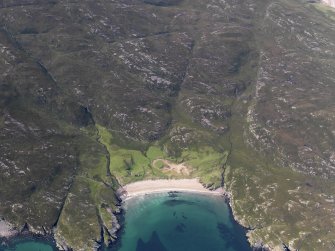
(180, 222)
(169, 222)
(29, 244)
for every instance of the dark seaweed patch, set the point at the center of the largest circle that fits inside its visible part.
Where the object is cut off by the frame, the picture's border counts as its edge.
(173, 203)
(180, 228)
(154, 244)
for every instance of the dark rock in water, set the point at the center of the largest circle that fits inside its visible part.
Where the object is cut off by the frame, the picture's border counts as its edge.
(154, 244)
(173, 194)
(177, 202)
(180, 228)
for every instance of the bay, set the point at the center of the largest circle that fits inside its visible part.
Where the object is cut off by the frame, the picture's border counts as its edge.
(180, 222)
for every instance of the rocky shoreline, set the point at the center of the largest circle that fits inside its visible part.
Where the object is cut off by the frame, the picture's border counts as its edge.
(9, 234)
(255, 245)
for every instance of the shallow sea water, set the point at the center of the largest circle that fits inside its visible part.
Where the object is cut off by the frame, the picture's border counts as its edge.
(180, 222)
(29, 244)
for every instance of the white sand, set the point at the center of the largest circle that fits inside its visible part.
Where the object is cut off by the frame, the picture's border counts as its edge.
(156, 186)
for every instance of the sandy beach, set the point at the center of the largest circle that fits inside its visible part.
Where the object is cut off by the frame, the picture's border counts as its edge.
(156, 186)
